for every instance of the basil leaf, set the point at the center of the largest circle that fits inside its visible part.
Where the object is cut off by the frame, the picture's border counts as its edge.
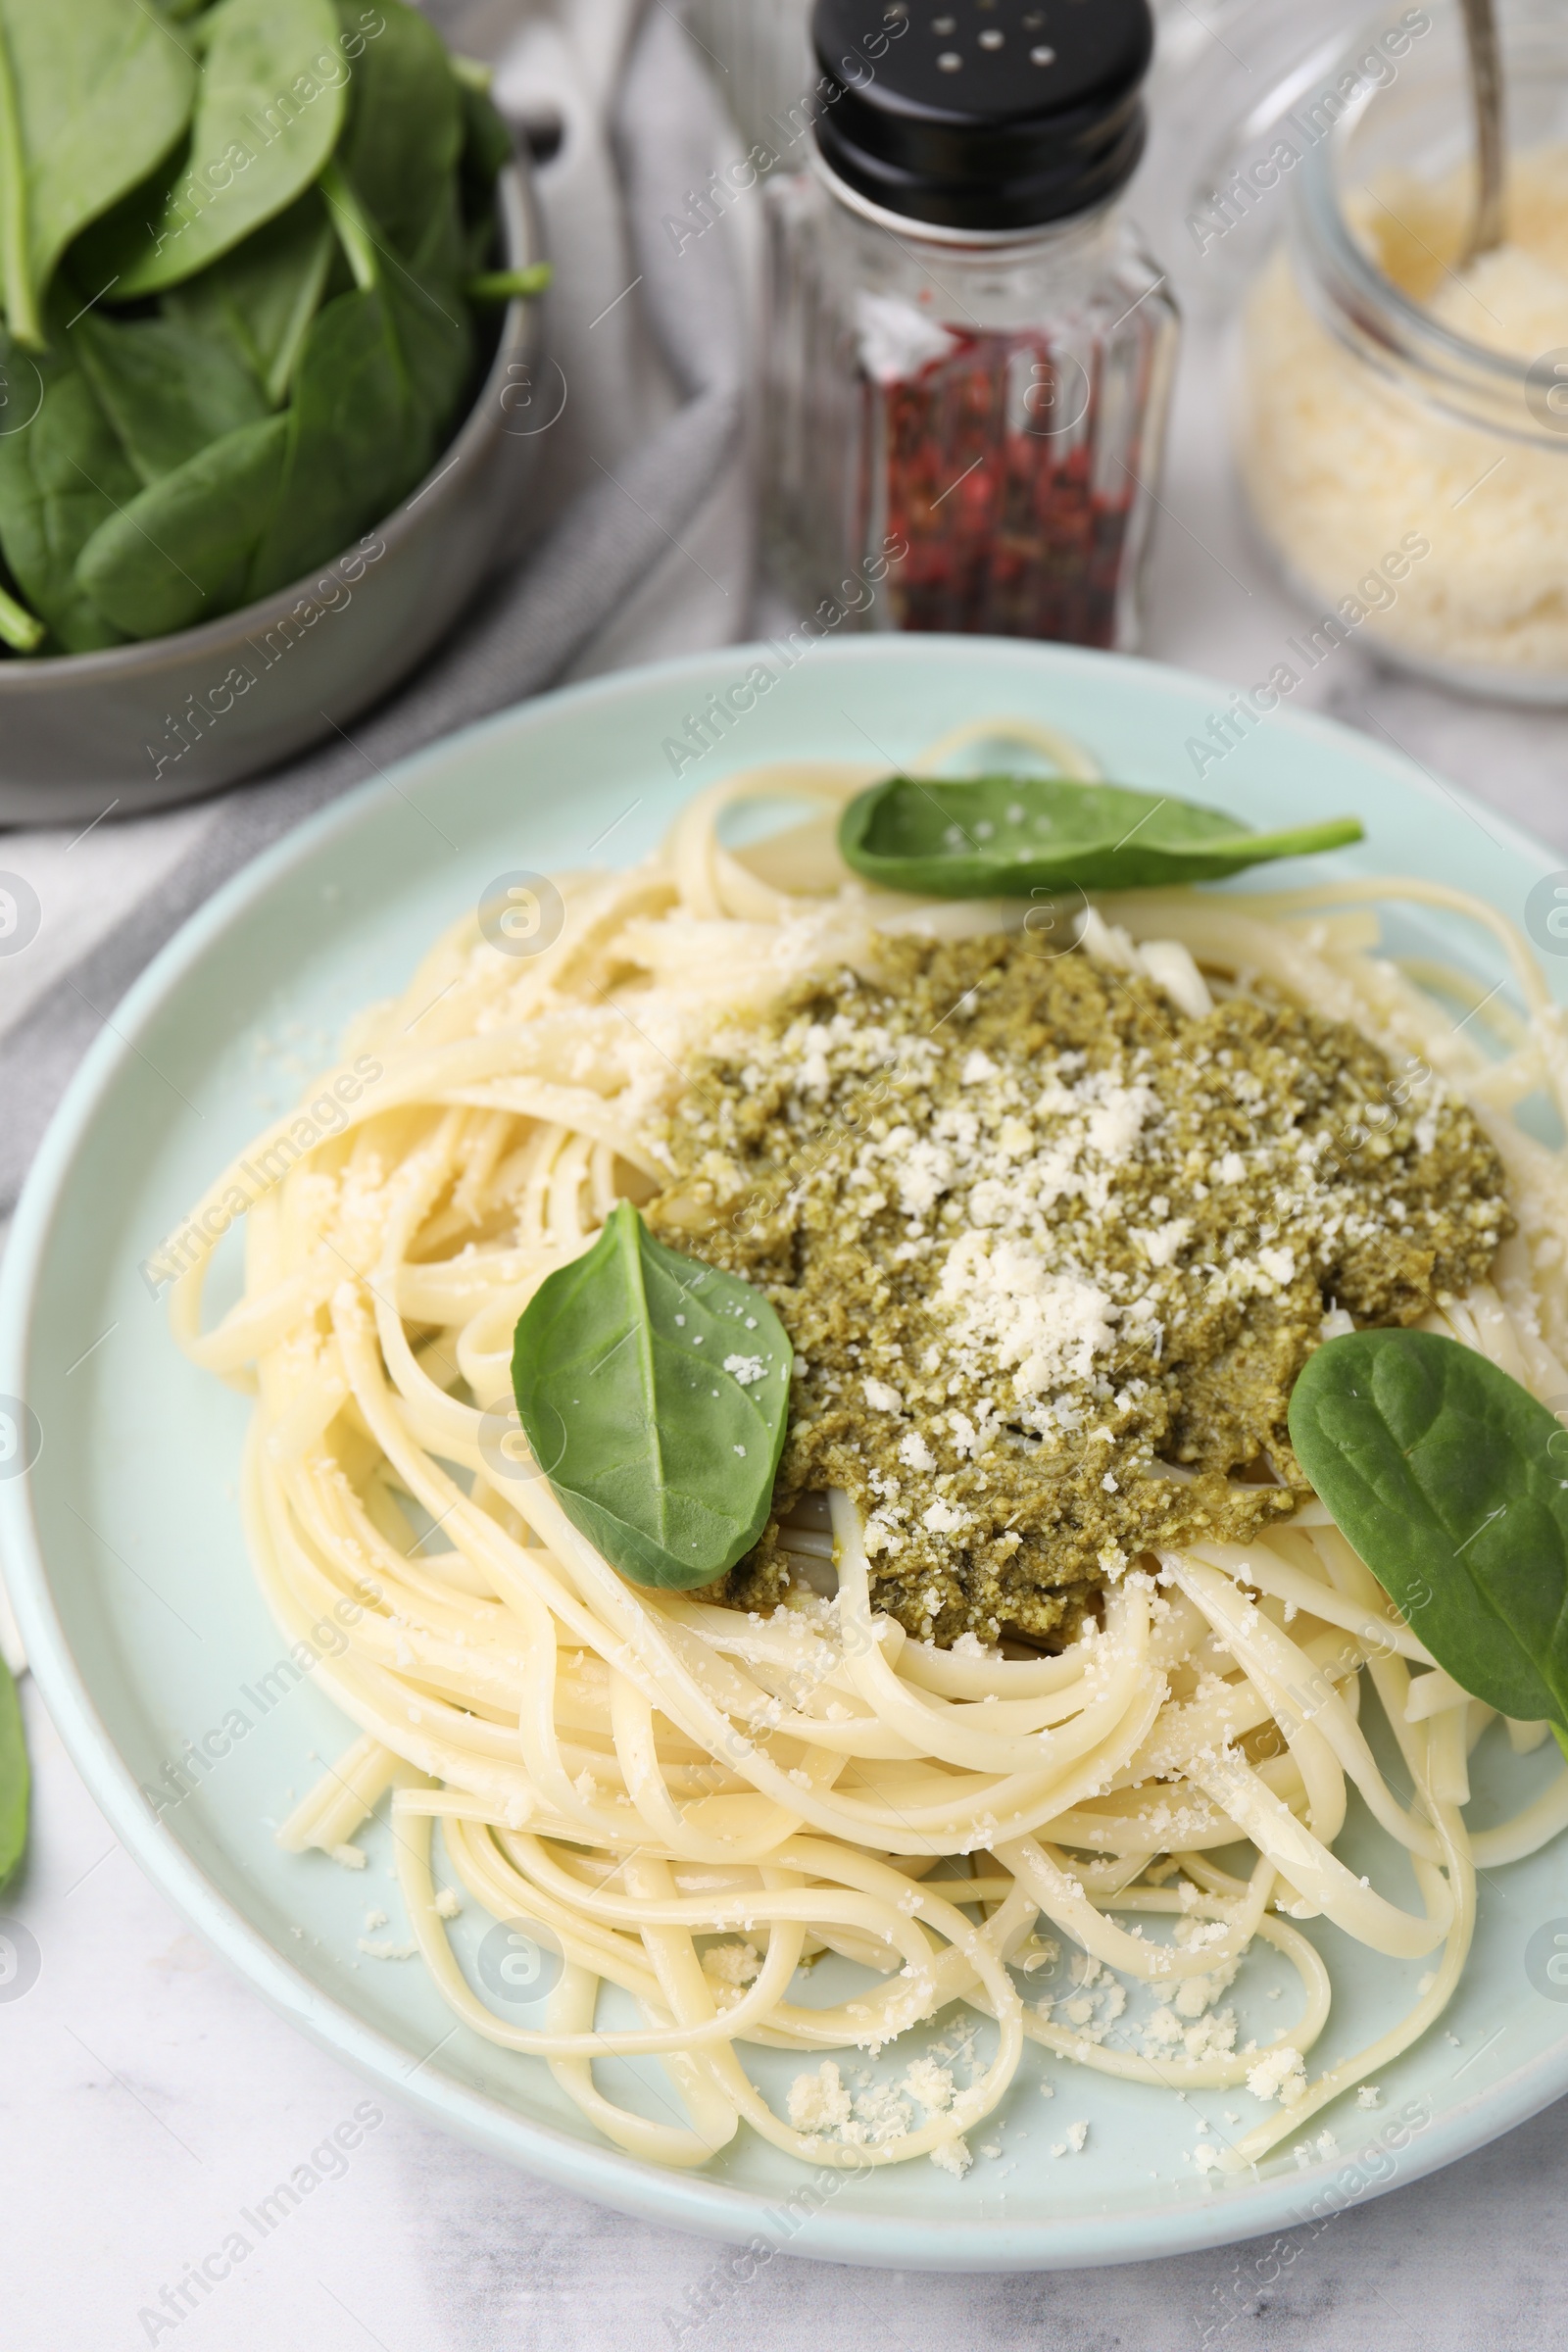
(181, 551)
(93, 95)
(269, 106)
(655, 1393)
(1451, 1483)
(1005, 836)
(14, 1778)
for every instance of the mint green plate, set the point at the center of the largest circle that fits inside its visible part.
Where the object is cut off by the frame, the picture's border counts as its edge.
(123, 1546)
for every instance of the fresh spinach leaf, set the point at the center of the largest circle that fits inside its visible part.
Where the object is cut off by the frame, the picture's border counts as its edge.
(351, 226)
(654, 1393)
(181, 551)
(351, 448)
(356, 440)
(1006, 836)
(269, 106)
(59, 479)
(487, 149)
(166, 390)
(405, 127)
(1451, 1483)
(379, 378)
(260, 298)
(14, 1779)
(93, 95)
(262, 420)
(437, 330)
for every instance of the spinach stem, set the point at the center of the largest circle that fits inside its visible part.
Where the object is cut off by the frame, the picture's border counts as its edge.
(354, 232)
(508, 286)
(18, 627)
(280, 374)
(16, 278)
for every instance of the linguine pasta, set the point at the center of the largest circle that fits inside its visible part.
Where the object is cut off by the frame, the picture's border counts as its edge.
(636, 1774)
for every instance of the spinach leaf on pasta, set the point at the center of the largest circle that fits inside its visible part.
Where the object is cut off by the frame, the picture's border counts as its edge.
(992, 837)
(1451, 1482)
(654, 1391)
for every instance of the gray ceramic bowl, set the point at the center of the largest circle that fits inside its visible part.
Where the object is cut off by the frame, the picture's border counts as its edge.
(147, 725)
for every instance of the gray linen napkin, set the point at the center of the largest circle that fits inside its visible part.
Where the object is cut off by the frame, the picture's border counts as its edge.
(530, 625)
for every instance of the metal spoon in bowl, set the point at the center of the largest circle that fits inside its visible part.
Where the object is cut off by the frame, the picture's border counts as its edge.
(1486, 82)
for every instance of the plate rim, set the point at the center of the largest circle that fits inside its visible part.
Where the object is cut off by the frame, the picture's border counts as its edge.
(606, 2175)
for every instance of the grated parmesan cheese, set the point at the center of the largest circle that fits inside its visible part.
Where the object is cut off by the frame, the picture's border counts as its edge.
(1281, 2074)
(1339, 465)
(930, 2084)
(819, 2102)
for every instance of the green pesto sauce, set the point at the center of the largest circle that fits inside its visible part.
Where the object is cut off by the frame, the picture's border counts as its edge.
(1039, 1237)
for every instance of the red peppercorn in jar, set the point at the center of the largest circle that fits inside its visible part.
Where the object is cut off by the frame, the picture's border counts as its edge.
(968, 353)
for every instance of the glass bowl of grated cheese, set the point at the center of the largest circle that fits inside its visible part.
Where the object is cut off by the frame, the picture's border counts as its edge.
(1403, 410)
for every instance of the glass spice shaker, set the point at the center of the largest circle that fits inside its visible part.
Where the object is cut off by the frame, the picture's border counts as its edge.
(968, 353)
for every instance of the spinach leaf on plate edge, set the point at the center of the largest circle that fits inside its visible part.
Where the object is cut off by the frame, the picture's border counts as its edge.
(15, 1780)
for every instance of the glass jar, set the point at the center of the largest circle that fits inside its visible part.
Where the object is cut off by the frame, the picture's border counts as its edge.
(968, 353)
(1403, 413)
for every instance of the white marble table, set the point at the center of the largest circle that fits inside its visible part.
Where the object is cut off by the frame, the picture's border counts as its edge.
(147, 2097)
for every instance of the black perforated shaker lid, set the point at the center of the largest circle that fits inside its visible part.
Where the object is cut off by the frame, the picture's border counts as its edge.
(983, 113)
